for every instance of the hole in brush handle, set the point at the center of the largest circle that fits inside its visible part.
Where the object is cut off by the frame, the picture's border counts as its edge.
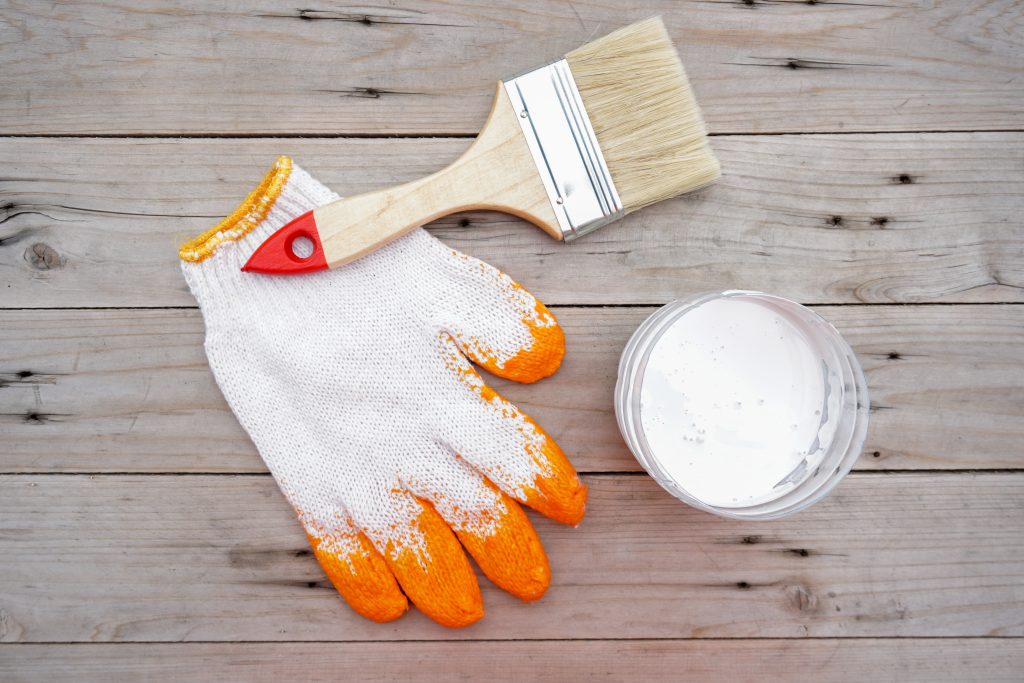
(277, 255)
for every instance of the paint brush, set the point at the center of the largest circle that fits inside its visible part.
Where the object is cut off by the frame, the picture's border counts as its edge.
(571, 146)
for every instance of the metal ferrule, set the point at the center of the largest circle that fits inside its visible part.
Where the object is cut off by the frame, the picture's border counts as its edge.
(565, 149)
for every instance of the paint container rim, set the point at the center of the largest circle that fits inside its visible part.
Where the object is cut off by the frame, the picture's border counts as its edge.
(840, 453)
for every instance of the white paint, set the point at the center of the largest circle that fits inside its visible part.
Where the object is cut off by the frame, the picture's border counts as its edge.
(738, 402)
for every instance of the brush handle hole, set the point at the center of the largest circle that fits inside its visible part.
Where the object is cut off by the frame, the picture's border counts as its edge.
(301, 246)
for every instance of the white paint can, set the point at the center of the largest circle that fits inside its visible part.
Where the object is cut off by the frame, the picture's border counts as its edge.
(743, 404)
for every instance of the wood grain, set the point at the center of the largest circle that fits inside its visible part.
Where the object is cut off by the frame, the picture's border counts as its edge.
(130, 391)
(754, 661)
(263, 67)
(222, 558)
(896, 576)
(496, 172)
(821, 219)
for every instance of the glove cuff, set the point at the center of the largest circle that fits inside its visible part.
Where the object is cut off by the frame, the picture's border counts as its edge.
(240, 222)
(212, 262)
(285, 192)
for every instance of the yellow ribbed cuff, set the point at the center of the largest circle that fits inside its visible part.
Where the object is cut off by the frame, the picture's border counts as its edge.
(242, 220)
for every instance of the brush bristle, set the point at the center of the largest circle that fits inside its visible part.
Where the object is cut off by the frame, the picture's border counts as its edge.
(644, 114)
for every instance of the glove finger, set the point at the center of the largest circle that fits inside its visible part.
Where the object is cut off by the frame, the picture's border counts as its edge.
(509, 551)
(358, 572)
(430, 565)
(510, 449)
(497, 323)
(491, 526)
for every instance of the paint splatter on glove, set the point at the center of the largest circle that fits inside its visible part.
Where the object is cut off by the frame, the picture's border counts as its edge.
(354, 385)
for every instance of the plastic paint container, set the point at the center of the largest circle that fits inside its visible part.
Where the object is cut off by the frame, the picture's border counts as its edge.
(743, 404)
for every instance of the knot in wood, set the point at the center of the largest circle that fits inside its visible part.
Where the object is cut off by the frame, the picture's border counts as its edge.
(42, 256)
(802, 599)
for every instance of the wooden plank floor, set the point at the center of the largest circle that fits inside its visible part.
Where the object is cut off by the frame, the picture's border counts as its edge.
(872, 156)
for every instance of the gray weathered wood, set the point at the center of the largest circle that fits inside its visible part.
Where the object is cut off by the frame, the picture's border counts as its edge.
(738, 661)
(896, 576)
(130, 390)
(149, 558)
(822, 219)
(429, 67)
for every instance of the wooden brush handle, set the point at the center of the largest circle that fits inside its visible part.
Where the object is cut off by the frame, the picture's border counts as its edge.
(497, 172)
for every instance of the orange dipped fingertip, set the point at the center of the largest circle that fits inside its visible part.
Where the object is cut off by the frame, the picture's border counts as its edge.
(507, 549)
(540, 360)
(539, 357)
(437, 577)
(557, 491)
(360, 575)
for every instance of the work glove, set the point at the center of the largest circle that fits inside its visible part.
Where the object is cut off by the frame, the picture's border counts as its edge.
(354, 385)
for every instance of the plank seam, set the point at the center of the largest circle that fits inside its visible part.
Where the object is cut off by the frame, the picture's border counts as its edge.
(498, 640)
(459, 136)
(656, 304)
(589, 473)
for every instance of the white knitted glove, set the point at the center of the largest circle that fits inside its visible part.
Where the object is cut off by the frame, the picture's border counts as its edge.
(354, 385)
